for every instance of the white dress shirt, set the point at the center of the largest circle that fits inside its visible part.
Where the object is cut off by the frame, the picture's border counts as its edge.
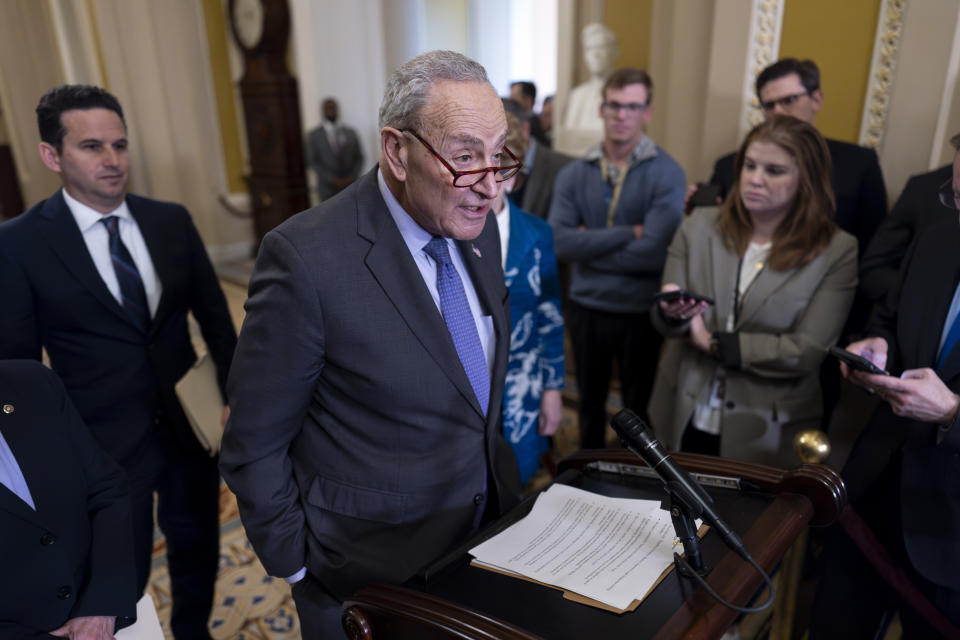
(97, 239)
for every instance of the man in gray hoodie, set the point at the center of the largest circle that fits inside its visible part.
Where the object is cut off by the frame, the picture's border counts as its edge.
(614, 213)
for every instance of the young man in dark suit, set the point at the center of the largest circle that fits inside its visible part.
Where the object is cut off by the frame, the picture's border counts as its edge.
(65, 535)
(366, 391)
(103, 280)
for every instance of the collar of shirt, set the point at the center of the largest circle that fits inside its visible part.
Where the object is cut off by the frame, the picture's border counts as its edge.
(646, 148)
(87, 217)
(331, 129)
(503, 224)
(413, 234)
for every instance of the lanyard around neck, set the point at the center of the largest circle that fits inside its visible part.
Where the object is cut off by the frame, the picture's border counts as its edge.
(612, 197)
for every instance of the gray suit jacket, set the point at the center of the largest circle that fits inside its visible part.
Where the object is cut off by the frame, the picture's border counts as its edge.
(356, 446)
(787, 321)
(539, 188)
(327, 163)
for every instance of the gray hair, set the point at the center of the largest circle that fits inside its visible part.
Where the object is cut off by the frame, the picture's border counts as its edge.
(955, 141)
(410, 83)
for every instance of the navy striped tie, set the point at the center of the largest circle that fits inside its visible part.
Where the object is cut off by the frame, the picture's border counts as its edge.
(132, 294)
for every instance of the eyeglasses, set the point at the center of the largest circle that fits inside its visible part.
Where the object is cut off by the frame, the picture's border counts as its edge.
(948, 197)
(785, 101)
(473, 176)
(613, 107)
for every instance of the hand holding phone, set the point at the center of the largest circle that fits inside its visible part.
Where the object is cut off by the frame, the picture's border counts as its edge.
(677, 294)
(856, 362)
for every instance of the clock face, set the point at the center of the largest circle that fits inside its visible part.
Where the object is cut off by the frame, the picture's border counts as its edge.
(248, 22)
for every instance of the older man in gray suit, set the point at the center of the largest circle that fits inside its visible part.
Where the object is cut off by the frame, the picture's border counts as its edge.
(366, 387)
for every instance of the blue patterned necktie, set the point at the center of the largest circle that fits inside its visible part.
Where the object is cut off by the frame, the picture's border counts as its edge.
(132, 294)
(460, 322)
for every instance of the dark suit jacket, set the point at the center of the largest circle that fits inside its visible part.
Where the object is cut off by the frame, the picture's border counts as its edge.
(327, 163)
(912, 321)
(73, 556)
(857, 185)
(538, 189)
(917, 207)
(356, 446)
(120, 380)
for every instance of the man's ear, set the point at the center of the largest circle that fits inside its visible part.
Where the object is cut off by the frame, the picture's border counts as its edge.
(394, 153)
(49, 157)
(817, 98)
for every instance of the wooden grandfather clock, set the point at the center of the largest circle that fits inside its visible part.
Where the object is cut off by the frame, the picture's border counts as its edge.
(277, 180)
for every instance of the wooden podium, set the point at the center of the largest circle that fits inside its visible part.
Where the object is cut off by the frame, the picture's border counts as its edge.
(768, 507)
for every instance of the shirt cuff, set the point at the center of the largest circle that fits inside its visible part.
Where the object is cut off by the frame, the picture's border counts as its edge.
(297, 577)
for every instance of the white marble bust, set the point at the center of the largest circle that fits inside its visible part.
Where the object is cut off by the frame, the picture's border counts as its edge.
(582, 125)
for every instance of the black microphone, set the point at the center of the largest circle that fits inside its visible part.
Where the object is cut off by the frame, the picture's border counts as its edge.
(638, 437)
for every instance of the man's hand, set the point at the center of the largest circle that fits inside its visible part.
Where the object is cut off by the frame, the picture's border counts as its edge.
(918, 394)
(691, 189)
(638, 231)
(87, 628)
(874, 350)
(551, 412)
(682, 309)
(224, 416)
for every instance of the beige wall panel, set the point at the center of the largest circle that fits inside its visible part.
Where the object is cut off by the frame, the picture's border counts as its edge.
(839, 37)
(679, 60)
(30, 67)
(724, 82)
(916, 99)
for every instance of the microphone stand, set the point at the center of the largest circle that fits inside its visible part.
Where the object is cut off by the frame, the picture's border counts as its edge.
(686, 530)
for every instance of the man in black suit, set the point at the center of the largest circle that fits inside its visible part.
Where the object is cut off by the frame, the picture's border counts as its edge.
(66, 543)
(103, 281)
(903, 475)
(364, 439)
(917, 207)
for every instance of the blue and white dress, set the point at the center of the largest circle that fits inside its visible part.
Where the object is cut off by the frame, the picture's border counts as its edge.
(536, 334)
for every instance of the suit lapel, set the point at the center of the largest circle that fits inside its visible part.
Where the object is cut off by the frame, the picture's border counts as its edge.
(22, 441)
(938, 308)
(390, 262)
(724, 264)
(154, 234)
(67, 242)
(486, 273)
(766, 283)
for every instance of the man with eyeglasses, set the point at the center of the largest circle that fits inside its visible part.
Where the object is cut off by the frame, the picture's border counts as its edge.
(614, 212)
(903, 475)
(368, 380)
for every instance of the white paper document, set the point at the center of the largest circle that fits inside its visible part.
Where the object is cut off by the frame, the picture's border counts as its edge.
(609, 549)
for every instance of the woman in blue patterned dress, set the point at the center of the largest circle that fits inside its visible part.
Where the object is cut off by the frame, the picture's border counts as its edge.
(532, 404)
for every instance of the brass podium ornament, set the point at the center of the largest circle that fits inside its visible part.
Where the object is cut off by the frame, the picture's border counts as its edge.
(812, 445)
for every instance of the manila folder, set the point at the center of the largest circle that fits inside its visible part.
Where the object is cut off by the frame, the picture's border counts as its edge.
(199, 394)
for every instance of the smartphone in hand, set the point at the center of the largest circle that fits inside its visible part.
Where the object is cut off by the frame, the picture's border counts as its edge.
(855, 361)
(676, 294)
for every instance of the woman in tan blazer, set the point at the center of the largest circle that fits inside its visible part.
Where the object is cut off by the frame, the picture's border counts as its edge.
(740, 377)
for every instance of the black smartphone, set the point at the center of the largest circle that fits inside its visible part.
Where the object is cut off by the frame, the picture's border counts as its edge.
(856, 362)
(706, 195)
(673, 296)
